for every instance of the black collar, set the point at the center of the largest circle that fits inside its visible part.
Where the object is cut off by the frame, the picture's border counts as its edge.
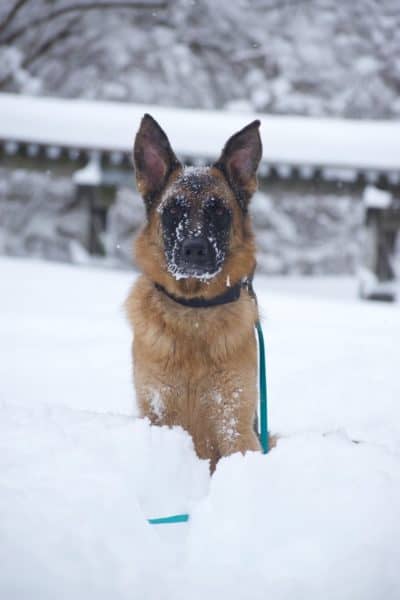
(231, 295)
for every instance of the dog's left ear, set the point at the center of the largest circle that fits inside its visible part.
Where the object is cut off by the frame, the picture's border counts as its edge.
(153, 158)
(240, 159)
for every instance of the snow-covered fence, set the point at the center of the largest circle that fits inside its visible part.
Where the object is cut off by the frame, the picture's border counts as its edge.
(336, 149)
(312, 170)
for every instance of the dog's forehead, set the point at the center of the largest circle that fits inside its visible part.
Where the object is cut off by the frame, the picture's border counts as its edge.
(197, 184)
(197, 179)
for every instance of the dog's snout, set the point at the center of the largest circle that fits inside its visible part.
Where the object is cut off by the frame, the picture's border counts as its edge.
(196, 251)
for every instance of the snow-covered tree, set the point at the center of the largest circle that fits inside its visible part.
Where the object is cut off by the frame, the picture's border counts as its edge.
(317, 57)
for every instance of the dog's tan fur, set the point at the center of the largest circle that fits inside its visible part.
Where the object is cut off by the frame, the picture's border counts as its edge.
(196, 367)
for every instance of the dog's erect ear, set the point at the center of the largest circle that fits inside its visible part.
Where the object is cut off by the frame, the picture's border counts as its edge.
(239, 161)
(153, 158)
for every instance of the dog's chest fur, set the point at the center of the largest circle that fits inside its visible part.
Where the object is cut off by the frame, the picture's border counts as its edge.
(194, 367)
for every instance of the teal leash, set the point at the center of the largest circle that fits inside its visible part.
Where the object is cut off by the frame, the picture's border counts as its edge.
(263, 397)
(263, 416)
(182, 518)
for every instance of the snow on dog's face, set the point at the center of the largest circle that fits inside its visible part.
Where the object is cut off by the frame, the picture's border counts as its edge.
(198, 231)
(196, 225)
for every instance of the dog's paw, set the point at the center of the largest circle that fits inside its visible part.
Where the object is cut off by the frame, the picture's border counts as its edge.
(272, 441)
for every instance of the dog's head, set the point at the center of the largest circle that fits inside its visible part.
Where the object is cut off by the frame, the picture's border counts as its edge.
(198, 236)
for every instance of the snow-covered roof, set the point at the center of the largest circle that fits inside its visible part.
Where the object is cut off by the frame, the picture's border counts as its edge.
(111, 126)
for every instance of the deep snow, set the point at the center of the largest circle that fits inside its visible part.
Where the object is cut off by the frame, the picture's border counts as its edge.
(317, 517)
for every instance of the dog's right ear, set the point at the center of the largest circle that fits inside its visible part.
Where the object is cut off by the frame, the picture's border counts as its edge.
(153, 158)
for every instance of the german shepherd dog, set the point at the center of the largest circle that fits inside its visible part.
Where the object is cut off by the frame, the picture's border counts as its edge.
(192, 310)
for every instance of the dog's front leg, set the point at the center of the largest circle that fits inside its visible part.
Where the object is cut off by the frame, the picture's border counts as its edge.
(157, 400)
(234, 422)
(231, 441)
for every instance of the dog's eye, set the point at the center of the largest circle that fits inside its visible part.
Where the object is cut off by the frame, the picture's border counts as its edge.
(173, 210)
(176, 207)
(218, 212)
(214, 208)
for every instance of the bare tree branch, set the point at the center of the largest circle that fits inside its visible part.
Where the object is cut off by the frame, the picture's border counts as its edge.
(12, 14)
(44, 47)
(55, 14)
(51, 41)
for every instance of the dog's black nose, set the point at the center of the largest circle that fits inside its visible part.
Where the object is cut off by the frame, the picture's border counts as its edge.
(196, 251)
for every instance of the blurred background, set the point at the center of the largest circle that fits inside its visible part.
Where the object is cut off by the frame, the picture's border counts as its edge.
(324, 76)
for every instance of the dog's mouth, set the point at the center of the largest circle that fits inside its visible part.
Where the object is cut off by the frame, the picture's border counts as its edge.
(196, 272)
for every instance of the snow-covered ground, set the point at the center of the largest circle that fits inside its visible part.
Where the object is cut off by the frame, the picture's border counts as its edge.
(319, 517)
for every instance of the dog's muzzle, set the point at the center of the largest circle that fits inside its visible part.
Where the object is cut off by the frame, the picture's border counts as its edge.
(197, 253)
(196, 257)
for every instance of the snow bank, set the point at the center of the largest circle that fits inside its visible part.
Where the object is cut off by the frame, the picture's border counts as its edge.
(317, 517)
(70, 529)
